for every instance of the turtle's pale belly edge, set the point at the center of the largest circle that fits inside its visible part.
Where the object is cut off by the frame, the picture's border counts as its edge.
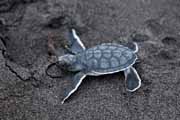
(107, 58)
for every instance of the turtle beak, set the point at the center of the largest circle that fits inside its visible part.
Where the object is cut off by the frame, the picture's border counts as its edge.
(62, 62)
(60, 58)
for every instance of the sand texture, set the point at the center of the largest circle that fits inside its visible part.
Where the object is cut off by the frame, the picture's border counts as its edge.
(28, 93)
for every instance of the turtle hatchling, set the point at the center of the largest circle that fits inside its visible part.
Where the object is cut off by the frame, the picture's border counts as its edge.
(106, 58)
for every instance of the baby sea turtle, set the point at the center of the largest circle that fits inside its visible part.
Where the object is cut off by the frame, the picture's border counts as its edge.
(106, 58)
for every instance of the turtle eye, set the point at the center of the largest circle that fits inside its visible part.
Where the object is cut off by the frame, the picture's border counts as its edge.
(62, 64)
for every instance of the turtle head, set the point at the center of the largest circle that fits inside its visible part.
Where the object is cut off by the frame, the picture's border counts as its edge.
(66, 61)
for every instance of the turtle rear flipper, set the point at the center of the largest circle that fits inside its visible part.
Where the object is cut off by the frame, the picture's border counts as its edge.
(77, 80)
(75, 44)
(132, 79)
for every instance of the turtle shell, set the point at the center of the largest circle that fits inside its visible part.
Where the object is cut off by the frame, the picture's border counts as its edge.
(107, 58)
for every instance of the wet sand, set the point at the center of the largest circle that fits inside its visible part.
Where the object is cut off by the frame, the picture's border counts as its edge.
(28, 93)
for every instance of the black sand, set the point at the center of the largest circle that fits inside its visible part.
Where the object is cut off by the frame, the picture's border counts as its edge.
(28, 93)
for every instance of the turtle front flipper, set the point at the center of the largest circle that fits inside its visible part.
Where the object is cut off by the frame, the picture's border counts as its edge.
(77, 80)
(132, 79)
(75, 44)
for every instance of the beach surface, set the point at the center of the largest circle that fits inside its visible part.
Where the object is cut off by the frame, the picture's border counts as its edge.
(28, 93)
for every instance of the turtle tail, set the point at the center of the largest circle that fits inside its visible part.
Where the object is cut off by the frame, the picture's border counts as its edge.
(136, 47)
